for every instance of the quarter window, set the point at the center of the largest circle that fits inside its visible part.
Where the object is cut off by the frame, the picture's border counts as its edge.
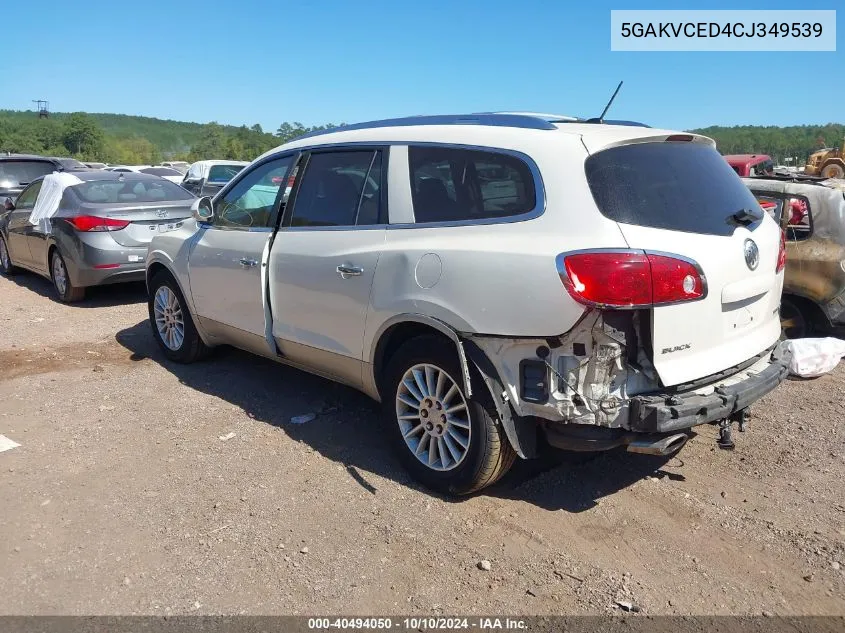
(339, 189)
(251, 202)
(451, 184)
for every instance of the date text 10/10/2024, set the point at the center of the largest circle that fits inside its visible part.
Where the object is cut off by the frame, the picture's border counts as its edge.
(418, 624)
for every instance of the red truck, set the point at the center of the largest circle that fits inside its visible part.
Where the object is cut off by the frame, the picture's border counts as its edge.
(751, 164)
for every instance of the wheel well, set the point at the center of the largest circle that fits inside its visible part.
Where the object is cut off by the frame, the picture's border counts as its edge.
(814, 314)
(53, 248)
(393, 338)
(153, 270)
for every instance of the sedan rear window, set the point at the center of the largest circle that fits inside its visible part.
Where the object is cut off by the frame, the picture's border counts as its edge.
(14, 173)
(679, 186)
(117, 191)
(160, 171)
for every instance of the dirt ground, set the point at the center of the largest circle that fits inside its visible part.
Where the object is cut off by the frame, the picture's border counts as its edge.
(124, 499)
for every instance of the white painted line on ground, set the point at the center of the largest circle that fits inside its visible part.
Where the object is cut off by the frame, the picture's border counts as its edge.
(6, 444)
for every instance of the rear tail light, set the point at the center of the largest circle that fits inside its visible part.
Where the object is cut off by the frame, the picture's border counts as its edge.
(781, 252)
(630, 278)
(89, 223)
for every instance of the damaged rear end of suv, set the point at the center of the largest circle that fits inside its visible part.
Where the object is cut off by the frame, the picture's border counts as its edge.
(675, 328)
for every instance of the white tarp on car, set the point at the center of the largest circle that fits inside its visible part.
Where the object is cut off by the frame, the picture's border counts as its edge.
(47, 203)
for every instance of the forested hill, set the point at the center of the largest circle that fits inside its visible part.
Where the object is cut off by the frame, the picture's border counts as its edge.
(168, 136)
(121, 138)
(779, 142)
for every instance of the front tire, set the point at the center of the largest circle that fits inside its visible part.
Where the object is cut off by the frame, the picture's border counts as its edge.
(833, 171)
(448, 442)
(171, 322)
(65, 290)
(6, 266)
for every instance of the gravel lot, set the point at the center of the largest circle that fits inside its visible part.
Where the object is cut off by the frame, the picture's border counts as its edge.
(123, 499)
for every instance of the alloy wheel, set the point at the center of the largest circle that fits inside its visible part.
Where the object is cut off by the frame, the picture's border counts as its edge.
(4, 255)
(169, 320)
(59, 274)
(433, 417)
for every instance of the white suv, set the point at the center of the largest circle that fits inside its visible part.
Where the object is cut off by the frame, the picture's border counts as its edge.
(490, 278)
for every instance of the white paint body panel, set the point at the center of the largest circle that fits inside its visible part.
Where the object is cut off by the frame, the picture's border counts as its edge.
(495, 279)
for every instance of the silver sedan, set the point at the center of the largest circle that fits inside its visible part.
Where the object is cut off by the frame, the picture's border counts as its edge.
(88, 228)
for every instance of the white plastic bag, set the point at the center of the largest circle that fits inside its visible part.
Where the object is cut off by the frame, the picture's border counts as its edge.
(813, 357)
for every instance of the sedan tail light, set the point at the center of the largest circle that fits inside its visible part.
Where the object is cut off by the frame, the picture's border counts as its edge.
(781, 252)
(88, 223)
(630, 278)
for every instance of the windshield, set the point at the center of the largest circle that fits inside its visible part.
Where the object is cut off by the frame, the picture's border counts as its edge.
(679, 186)
(223, 173)
(115, 191)
(160, 171)
(14, 173)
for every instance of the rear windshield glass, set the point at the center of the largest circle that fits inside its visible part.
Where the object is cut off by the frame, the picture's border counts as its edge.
(223, 173)
(14, 173)
(160, 171)
(116, 191)
(679, 186)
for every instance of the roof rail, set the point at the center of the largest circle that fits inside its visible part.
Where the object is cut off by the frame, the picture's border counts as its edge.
(493, 119)
(524, 120)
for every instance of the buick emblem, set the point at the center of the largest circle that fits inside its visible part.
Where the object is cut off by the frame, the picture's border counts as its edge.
(752, 254)
(161, 213)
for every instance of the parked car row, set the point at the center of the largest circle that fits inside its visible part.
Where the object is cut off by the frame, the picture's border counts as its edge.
(491, 279)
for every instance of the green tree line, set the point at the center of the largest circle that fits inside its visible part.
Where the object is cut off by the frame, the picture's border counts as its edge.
(797, 141)
(114, 138)
(117, 138)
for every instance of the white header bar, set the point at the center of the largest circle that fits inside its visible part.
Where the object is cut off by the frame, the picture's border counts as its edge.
(810, 30)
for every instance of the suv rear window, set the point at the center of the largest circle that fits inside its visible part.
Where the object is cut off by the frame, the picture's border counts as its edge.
(223, 173)
(679, 186)
(451, 184)
(14, 173)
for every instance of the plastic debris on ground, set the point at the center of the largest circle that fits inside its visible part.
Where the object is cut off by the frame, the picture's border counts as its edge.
(6, 444)
(303, 419)
(813, 357)
(228, 436)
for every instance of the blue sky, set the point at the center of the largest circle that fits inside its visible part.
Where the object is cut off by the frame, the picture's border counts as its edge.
(331, 61)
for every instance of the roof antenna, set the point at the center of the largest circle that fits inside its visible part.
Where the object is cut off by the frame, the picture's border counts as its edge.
(607, 107)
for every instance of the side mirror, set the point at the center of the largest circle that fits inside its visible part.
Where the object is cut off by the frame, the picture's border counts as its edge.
(9, 204)
(202, 209)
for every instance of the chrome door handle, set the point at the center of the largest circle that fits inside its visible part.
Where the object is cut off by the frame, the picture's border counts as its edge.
(248, 263)
(347, 271)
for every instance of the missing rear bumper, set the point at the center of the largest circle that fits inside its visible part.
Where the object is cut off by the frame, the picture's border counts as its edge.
(667, 413)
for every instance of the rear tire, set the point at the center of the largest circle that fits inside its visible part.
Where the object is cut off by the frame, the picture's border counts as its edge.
(65, 290)
(6, 266)
(794, 320)
(171, 322)
(458, 453)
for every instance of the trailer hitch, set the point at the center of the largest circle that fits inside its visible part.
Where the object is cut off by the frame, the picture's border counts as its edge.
(725, 441)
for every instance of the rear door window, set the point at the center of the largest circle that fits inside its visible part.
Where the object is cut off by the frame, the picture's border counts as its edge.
(451, 184)
(678, 186)
(339, 189)
(14, 173)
